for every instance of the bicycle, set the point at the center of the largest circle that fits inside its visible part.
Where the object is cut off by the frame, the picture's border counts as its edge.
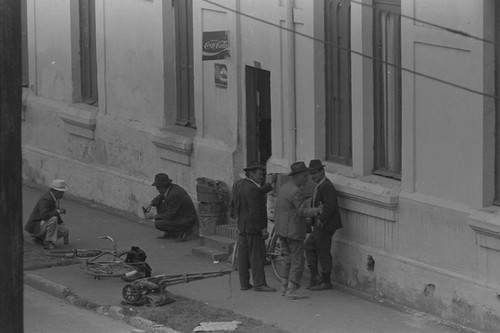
(276, 251)
(102, 262)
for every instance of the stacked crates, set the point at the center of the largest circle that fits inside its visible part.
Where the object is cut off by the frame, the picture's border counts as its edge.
(212, 209)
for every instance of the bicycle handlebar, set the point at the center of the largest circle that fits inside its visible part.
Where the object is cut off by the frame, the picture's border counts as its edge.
(111, 239)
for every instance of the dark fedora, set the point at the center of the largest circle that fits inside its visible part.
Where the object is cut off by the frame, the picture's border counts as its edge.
(161, 179)
(298, 167)
(253, 166)
(316, 165)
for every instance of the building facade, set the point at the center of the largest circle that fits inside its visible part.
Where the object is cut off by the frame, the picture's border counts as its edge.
(396, 96)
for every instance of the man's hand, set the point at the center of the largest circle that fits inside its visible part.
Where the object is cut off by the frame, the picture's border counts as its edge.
(61, 211)
(265, 234)
(149, 216)
(319, 225)
(274, 178)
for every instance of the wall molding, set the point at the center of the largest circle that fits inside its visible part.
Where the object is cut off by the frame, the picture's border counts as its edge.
(80, 119)
(175, 143)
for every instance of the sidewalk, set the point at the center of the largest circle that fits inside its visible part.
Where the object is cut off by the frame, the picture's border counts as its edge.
(330, 311)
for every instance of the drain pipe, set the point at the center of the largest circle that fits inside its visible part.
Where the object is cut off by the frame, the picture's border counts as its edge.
(291, 83)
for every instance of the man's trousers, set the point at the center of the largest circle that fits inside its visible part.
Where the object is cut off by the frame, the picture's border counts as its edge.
(294, 261)
(251, 257)
(318, 250)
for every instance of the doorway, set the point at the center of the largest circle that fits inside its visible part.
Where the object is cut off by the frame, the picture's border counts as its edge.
(258, 115)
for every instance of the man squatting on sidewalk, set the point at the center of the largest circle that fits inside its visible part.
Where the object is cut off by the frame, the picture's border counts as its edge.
(45, 223)
(176, 213)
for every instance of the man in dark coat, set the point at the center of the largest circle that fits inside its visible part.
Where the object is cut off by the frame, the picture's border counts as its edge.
(45, 223)
(176, 213)
(248, 206)
(318, 244)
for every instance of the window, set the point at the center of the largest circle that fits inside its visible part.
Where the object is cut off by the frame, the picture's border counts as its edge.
(497, 104)
(88, 59)
(387, 85)
(338, 81)
(24, 43)
(184, 61)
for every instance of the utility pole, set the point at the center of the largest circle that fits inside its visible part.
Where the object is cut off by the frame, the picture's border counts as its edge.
(11, 237)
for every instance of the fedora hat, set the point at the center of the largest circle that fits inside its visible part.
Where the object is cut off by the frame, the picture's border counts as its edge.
(316, 165)
(253, 166)
(161, 179)
(298, 167)
(59, 185)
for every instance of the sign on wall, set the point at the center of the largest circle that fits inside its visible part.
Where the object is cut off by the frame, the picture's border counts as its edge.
(220, 75)
(215, 45)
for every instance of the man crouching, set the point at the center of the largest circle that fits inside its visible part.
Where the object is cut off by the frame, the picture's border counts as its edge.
(45, 223)
(176, 213)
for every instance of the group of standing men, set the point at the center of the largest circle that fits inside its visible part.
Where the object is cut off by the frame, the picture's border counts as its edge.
(176, 215)
(293, 207)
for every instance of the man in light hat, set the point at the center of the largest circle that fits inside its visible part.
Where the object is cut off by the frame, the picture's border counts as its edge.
(248, 206)
(319, 242)
(45, 223)
(292, 207)
(175, 211)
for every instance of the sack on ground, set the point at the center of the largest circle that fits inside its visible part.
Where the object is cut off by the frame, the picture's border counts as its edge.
(137, 257)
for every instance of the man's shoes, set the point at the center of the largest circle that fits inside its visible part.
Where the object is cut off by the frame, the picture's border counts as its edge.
(38, 240)
(167, 235)
(184, 235)
(322, 286)
(315, 280)
(264, 288)
(293, 294)
(49, 246)
(249, 286)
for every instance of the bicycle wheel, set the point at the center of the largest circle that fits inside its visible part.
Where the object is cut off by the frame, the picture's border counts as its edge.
(277, 256)
(108, 269)
(74, 253)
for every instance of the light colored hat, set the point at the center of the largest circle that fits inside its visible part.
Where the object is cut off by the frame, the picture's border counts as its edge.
(59, 185)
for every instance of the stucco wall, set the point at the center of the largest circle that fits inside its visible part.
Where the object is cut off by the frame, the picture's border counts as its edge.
(107, 153)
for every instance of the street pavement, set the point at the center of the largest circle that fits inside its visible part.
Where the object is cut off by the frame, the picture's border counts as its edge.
(324, 312)
(44, 313)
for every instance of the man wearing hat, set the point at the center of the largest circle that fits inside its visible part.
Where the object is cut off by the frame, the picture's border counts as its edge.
(248, 206)
(292, 207)
(175, 211)
(319, 242)
(45, 223)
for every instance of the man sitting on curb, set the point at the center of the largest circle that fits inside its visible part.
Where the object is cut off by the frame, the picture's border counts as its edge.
(176, 213)
(45, 223)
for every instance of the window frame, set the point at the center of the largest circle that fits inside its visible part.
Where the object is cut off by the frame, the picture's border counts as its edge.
(338, 105)
(387, 88)
(183, 11)
(88, 54)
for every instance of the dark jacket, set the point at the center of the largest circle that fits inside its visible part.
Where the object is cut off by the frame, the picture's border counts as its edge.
(327, 195)
(248, 205)
(176, 204)
(44, 209)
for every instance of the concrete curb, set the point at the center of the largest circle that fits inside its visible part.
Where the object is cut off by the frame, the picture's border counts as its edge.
(114, 312)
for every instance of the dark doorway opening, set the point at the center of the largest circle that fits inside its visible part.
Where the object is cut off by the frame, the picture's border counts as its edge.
(258, 115)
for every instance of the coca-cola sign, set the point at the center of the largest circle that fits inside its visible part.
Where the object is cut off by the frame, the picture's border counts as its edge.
(215, 45)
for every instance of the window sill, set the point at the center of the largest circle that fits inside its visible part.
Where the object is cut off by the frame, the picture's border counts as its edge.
(175, 143)
(486, 224)
(369, 195)
(80, 119)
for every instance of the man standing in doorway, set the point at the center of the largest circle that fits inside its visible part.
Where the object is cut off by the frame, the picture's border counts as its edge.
(248, 206)
(319, 242)
(292, 207)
